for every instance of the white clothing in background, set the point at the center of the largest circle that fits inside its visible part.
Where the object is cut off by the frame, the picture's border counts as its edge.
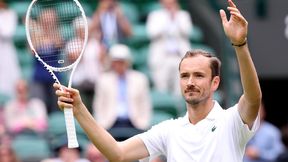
(169, 42)
(10, 71)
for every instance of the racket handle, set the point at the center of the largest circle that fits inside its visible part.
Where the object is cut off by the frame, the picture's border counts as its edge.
(70, 128)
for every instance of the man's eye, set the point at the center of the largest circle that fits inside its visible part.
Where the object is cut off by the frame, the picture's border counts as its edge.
(184, 76)
(199, 76)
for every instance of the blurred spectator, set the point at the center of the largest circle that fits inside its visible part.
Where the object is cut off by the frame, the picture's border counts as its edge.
(93, 154)
(5, 140)
(283, 157)
(49, 43)
(91, 64)
(65, 154)
(2, 122)
(2, 128)
(266, 145)
(111, 22)
(122, 96)
(25, 114)
(159, 158)
(169, 29)
(9, 66)
(7, 154)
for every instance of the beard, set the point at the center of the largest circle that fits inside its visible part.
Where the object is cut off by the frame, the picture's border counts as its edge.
(192, 101)
(196, 100)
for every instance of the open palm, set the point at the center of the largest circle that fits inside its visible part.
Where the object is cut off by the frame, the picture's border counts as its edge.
(236, 27)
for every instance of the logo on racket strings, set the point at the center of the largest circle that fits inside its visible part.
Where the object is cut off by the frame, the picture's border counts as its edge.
(61, 61)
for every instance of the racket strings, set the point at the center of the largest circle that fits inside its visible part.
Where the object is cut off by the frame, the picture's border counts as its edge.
(57, 32)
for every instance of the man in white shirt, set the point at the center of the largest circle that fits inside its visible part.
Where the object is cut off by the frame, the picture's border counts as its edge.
(10, 69)
(207, 132)
(168, 28)
(220, 136)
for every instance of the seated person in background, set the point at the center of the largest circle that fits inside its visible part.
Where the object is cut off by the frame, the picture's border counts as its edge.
(10, 70)
(2, 128)
(7, 154)
(65, 154)
(160, 158)
(122, 95)
(2, 123)
(93, 154)
(91, 64)
(48, 43)
(266, 145)
(283, 157)
(24, 113)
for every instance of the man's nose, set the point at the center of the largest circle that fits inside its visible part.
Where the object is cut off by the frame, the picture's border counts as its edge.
(190, 81)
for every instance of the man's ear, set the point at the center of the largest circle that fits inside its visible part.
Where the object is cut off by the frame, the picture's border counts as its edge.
(215, 83)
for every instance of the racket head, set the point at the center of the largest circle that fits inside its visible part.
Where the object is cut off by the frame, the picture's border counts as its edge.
(57, 32)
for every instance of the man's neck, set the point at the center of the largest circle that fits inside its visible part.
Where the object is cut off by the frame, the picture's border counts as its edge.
(198, 112)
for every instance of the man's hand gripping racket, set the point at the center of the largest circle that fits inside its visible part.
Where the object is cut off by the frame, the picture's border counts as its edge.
(57, 33)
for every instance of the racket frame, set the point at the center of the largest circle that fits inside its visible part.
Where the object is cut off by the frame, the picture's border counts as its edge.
(68, 112)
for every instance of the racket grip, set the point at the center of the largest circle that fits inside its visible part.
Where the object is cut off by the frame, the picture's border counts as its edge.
(70, 128)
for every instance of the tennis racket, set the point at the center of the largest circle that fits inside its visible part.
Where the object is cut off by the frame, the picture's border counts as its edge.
(57, 33)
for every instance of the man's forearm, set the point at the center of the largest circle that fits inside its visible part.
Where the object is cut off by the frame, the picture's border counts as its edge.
(249, 77)
(251, 99)
(98, 135)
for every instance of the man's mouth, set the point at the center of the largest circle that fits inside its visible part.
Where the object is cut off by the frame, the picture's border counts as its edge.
(191, 90)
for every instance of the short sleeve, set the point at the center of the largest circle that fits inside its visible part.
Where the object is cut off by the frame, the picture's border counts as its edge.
(155, 138)
(241, 131)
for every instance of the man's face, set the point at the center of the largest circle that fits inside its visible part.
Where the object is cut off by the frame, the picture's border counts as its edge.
(195, 79)
(168, 4)
(48, 18)
(120, 66)
(68, 155)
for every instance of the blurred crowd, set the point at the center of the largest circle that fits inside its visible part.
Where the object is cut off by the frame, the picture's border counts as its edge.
(116, 90)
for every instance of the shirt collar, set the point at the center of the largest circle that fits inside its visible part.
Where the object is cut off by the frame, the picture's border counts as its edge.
(214, 112)
(211, 115)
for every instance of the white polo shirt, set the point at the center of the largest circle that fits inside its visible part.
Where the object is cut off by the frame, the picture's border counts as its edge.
(220, 137)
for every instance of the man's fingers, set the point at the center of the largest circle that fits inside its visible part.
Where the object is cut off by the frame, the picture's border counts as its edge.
(239, 17)
(58, 92)
(72, 91)
(65, 99)
(64, 89)
(63, 105)
(59, 86)
(223, 16)
(56, 86)
(233, 9)
(62, 93)
(231, 3)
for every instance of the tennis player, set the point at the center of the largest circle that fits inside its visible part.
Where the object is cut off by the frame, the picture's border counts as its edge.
(207, 133)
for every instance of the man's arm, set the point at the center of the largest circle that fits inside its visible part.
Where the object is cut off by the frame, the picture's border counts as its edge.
(236, 30)
(123, 22)
(129, 150)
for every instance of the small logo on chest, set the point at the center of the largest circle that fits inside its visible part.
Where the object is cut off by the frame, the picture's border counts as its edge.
(213, 128)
